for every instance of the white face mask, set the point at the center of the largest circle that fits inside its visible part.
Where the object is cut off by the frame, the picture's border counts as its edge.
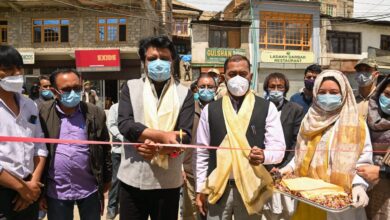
(12, 83)
(238, 86)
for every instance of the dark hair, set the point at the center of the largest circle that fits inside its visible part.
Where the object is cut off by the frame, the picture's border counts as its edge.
(10, 57)
(277, 76)
(205, 75)
(54, 75)
(156, 41)
(331, 78)
(42, 77)
(383, 84)
(313, 68)
(236, 58)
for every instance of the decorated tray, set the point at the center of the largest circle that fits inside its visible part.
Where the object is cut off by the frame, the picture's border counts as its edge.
(329, 203)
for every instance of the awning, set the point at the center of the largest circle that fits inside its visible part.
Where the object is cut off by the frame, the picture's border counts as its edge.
(97, 60)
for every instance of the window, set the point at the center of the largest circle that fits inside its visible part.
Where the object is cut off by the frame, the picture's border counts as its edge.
(50, 30)
(285, 31)
(225, 38)
(112, 29)
(330, 9)
(385, 42)
(181, 48)
(180, 27)
(3, 31)
(343, 42)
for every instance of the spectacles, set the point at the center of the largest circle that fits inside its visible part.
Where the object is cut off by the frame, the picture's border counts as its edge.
(206, 87)
(77, 88)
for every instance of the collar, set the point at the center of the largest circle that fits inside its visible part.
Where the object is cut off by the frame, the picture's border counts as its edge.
(21, 101)
(58, 108)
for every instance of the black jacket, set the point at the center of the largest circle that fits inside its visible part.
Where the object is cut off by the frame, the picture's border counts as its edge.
(100, 155)
(291, 118)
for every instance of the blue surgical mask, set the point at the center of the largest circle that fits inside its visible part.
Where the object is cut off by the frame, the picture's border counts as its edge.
(364, 79)
(276, 96)
(196, 96)
(384, 103)
(159, 70)
(70, 99)
(206, 95)
(47, 94)
(329, 102)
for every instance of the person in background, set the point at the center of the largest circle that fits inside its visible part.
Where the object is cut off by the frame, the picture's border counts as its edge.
(45, 92)
(34, 92)
(220, 80)
(305, 97)
(89, 95)
(21, 163)
(76, 173)
(226, 180)
(339, 141)
(366, 77)
(378, 121)
(375, 173)
(194, 90)
(113, 195)
(276, 86)
(206, 88)
(155, 108)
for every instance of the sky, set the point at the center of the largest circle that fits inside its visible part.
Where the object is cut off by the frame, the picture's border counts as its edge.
(362, 8)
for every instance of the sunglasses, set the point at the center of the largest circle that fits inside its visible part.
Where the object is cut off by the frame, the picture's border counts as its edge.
(69, 89)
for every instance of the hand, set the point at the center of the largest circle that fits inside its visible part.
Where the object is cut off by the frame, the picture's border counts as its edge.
(201, 203)
(106, 187)
(43, 204)
(170, 138)
(359, 196)
(147, 150)
(30, 191)
(20, 203)
(286, 170)
(183, 173)
(369, 172)
(256, 156)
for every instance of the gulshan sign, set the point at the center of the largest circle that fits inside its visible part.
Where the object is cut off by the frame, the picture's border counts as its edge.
(286, 56)
(219, 55)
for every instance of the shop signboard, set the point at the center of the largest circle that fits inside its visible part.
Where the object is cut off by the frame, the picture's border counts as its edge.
(219, 55)
(97, 60)
(286, 56)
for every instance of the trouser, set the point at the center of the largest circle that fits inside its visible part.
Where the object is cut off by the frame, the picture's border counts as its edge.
(89, 208)
(113, 195)
(229, 205)
(159, 204)
(189, 208)
(6, 207)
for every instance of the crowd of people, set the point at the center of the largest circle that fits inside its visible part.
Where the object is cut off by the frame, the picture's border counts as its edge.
(200, 153)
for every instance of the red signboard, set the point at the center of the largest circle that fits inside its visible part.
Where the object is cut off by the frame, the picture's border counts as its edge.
(97, 60)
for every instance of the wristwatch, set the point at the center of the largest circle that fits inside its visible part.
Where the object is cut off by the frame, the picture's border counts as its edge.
(384, 172)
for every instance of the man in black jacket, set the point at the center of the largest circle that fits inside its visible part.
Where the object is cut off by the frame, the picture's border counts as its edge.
(75, 173)
(276, 86)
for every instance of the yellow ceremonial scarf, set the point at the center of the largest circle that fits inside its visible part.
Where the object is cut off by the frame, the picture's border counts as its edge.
(251, 181)
(161, 114)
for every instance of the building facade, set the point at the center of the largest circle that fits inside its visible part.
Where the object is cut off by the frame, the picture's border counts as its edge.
(99, 38)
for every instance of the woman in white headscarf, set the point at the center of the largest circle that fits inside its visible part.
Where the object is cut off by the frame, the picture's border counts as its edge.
(331, 143)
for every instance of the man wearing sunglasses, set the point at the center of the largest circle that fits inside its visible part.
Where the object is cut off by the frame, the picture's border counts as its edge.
(75, 173)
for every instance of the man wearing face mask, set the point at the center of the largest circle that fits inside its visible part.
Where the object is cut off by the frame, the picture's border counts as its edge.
(304, 98)
(229, 179)
(45, 92)
(366, 77)
(75, 173)
(276, 86)
(155, 108)
(206, 86)
(21, 163)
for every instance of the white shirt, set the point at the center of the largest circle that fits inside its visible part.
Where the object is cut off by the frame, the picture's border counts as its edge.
(18, 158)
(112, 125)
(274, 140)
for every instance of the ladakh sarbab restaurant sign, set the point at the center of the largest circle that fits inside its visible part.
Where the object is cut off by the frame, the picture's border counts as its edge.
(286, 56)
(219, 55)
(97, 60)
